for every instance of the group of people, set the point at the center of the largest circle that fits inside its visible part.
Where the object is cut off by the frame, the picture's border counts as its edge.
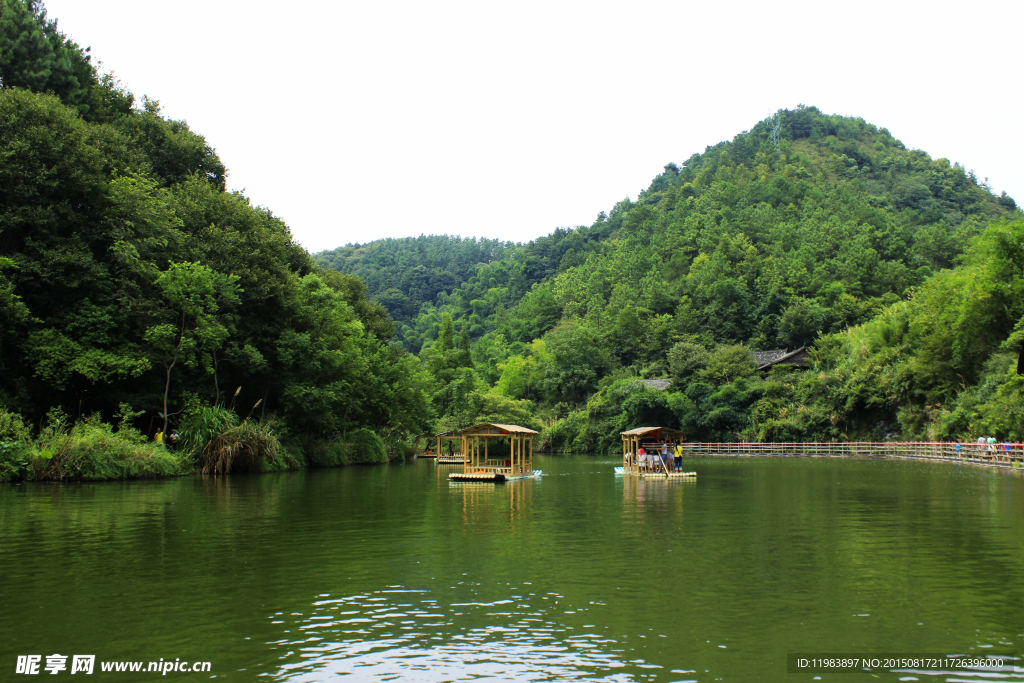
(667, 456)
(994, 448)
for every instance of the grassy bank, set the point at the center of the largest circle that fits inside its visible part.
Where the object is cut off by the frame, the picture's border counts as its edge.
(213, 441)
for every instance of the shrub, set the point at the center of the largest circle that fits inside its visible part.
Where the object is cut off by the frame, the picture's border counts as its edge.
(91, 450)
(201, 425)
(14, 446)
(328, 453)
(247, 447)
(365, 446)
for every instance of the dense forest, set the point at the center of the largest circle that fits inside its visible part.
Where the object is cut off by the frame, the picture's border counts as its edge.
(136, 291)
(807, 230)
(138, 295)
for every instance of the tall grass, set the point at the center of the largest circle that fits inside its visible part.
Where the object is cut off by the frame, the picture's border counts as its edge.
(251, 446)
(201, 425)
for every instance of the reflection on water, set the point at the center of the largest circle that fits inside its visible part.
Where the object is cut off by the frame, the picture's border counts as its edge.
(395, 573)
(485, 502)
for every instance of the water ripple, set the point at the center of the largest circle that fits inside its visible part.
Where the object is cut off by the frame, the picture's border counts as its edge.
(523, 646)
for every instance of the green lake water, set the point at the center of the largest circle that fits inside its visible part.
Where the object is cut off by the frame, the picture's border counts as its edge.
(393, 573)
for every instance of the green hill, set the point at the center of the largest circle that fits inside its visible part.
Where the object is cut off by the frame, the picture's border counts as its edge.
(753, 243)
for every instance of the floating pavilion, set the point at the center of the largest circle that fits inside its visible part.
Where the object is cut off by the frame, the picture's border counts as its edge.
(478, 465)
(426, 451)
(652, 437)
(456, 452)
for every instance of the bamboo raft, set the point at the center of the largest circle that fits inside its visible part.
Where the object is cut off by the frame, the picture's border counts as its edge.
(670, 474)
(496, 477)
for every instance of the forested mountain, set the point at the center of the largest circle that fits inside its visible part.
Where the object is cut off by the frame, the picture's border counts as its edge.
(131, 282)
(136, 291)
(760, 242)
(410, 276)
(403, 274)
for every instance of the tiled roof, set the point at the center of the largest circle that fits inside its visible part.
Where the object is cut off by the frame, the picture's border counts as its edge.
(796, 357)
(762, 357)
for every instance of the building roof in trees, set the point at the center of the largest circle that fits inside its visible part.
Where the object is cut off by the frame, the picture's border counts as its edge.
(659, 384)
(766, 359)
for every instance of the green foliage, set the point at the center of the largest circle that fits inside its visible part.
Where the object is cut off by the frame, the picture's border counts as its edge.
(200, 425)
(685, 359)
(360, 446)
(35, 55)
(821, 242)
(91, 449)
(14, 446)
(728, 363)
(251, 446)
(575, 366)
(129, 275)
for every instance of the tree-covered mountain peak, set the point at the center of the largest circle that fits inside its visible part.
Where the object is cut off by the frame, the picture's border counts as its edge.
(791, 234)
(830, 205)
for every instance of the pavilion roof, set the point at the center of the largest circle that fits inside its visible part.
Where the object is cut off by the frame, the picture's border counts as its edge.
(640, 431)
(491, 427)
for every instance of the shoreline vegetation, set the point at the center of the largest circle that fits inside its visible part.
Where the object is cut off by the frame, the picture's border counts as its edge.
(137, 293)
(214, 441)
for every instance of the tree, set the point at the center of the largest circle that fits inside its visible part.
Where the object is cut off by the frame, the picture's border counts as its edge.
(26, 56)
(800, 323)
(729, 363)
(575, 365)
(193, 296)
(35, 55)
(12, 309)
(685, 359)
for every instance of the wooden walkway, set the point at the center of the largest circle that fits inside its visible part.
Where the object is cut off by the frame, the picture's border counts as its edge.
(996, 455)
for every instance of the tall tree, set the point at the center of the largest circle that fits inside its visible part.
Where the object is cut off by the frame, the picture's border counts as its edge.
(195, 325)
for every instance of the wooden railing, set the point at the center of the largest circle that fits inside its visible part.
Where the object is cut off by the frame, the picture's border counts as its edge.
(499, 466)
(1004, 455)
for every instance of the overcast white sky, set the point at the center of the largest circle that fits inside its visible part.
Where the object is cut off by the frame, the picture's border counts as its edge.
(360, 120)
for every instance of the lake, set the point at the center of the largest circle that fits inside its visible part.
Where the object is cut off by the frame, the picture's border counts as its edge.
(393, 573)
